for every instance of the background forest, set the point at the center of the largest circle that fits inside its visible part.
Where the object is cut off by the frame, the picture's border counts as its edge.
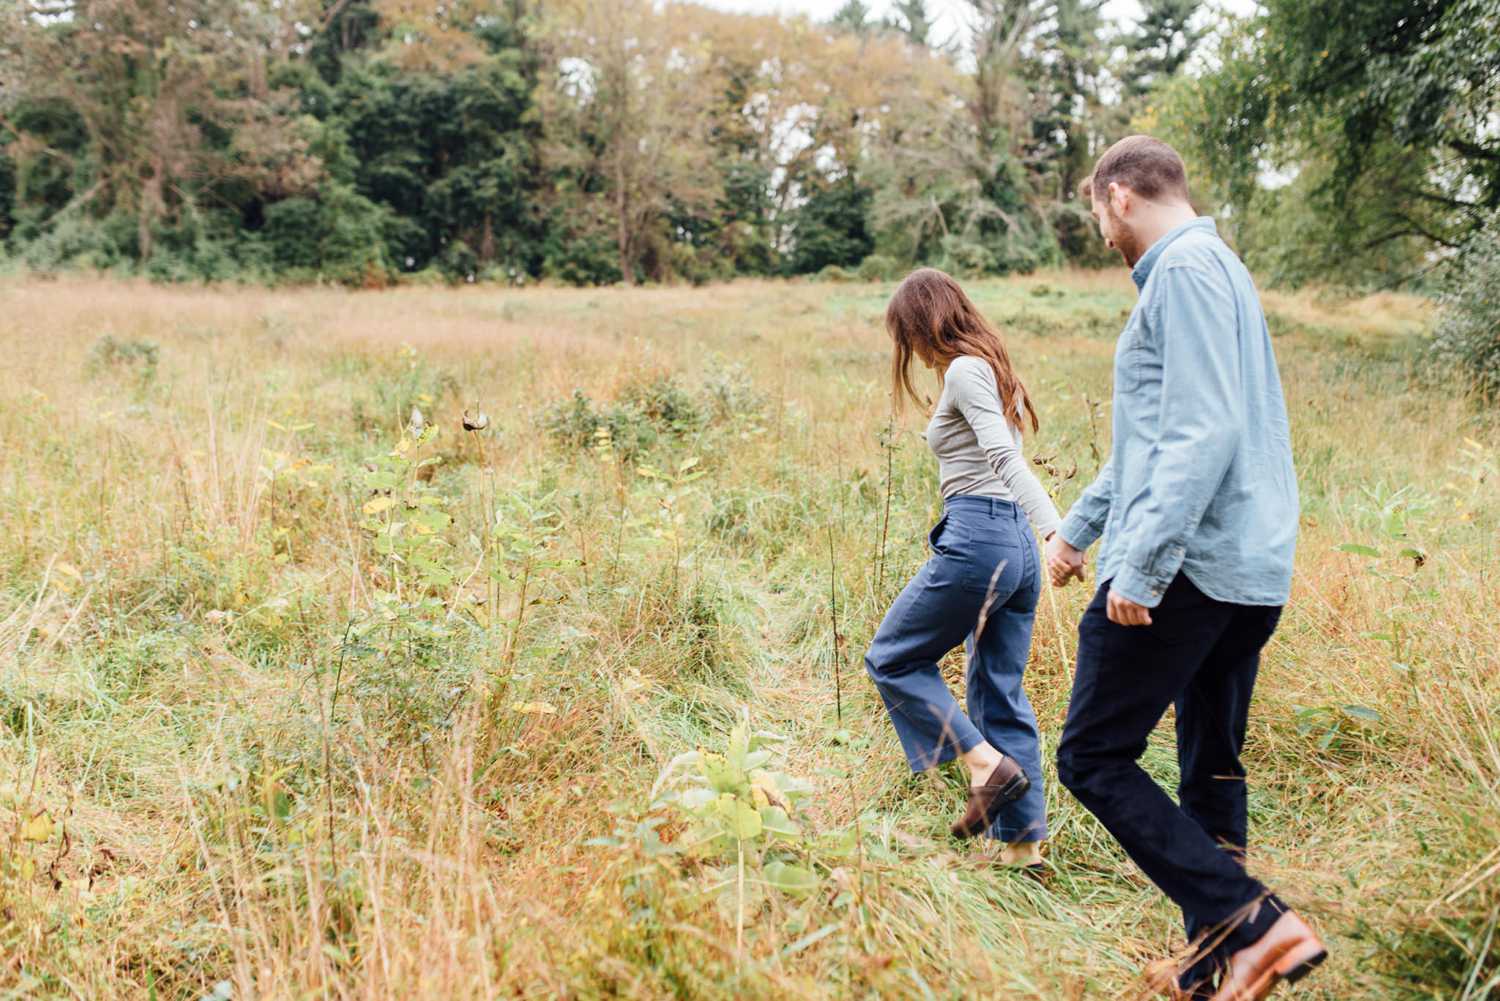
(359, 141)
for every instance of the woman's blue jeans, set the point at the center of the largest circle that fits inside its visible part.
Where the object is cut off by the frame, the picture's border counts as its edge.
(980, 588)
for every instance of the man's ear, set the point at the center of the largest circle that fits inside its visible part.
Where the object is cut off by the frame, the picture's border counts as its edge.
(1119, 198)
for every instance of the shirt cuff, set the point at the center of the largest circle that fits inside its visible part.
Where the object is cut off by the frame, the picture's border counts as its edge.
(1077, 532)
(1132, 585)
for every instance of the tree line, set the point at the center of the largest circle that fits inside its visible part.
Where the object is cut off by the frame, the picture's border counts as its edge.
(363, 141)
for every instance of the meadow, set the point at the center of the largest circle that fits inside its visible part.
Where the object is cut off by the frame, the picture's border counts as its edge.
(553, 688)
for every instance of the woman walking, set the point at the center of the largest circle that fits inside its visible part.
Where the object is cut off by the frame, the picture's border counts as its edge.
(981, 585)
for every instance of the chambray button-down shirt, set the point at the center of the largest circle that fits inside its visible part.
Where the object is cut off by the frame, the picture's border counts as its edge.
(1199, 478)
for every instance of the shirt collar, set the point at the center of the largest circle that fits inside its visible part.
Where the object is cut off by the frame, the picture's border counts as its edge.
(1142, 269)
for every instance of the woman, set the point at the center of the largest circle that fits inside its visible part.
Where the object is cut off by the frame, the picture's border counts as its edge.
(981, 585)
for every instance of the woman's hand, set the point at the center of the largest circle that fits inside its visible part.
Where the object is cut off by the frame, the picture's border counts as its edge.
(1063, 561)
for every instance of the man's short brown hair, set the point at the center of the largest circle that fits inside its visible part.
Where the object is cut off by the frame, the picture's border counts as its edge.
(1147, 166)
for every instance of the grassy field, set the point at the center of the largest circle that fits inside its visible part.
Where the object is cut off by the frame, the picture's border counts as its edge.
(301, 699)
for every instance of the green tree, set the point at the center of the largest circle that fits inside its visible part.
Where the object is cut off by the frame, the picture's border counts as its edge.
(1386, 108)
(1160, 43)
(627, 119)
(832, 227)
(853, 16)
(913, 19)
(178, 117)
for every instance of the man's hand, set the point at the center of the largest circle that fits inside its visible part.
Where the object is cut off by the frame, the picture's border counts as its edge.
(1063, 561)
(1124, 612)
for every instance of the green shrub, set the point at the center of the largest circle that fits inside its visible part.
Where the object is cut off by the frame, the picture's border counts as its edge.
(459, 262)
(340, 237)
(834, 273)
(397, 384)
(730, 394)
(664, 402)
(832, 227)
(138, 358)
(647, 410)
(1468, 334)
(79, 241)
(967, 258)
(577, 422)
(878, 268)
(589, 258)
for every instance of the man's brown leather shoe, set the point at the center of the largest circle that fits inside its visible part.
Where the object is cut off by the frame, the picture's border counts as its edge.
(1289, 951)
(1006, 784)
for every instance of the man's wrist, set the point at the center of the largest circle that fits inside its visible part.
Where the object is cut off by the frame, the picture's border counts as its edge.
(1075, 530)
(1137, 588)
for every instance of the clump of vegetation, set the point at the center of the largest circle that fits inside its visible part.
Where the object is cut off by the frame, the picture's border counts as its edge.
(647, 411)
(112, 354)
(729, 394)
(395, 384)
(1468, 334)
(402, 645)
(580, 423)
(879, 268)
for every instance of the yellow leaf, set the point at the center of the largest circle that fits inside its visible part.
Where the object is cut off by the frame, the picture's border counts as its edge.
(379, 504)
(38, 828)
(535, 708)
(63, 566)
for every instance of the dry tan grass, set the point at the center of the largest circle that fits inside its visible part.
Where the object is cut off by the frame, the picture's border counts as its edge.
(172, 616)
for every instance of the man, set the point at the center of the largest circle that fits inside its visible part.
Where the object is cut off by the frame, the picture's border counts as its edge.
(1198, 507)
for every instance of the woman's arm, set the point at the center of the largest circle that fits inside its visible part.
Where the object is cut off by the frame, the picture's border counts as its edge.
(977, 397)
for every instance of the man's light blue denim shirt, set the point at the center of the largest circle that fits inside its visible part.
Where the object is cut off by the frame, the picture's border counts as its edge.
(1199, 478)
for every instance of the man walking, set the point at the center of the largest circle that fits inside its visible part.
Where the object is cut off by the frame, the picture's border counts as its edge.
(1198, 507)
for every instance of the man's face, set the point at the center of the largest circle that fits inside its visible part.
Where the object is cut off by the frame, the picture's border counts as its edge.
(1118, 234)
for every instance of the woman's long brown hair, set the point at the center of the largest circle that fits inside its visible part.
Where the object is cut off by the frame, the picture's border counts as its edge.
(931, 317)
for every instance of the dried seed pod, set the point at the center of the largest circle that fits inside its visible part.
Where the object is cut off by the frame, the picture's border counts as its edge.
(476, 420)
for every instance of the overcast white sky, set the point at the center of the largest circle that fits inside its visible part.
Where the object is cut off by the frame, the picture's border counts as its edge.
(948, 12)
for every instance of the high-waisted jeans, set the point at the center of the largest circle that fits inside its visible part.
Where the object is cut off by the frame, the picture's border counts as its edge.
(980, 588)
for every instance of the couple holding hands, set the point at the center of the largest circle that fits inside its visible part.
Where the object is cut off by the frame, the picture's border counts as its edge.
(1198, 508)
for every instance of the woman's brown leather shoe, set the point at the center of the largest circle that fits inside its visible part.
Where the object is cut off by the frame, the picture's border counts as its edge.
(1006, 784)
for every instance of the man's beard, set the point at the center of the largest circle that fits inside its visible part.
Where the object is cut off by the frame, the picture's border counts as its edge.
(1127, 243)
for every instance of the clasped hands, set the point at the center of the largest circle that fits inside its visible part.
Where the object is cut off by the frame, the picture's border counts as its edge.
(1064, 563)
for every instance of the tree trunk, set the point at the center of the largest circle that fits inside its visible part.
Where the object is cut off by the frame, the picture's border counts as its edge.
(487, 240)
(150, 204)
(622, 234)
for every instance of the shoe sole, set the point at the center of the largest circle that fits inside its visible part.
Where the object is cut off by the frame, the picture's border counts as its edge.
(1290, 974)
(1305, 967)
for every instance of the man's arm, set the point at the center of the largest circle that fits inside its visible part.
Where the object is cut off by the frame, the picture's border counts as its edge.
(1084, 524)
(1202, 418)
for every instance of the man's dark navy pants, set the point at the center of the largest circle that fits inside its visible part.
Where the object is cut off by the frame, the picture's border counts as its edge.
(1200, 655)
